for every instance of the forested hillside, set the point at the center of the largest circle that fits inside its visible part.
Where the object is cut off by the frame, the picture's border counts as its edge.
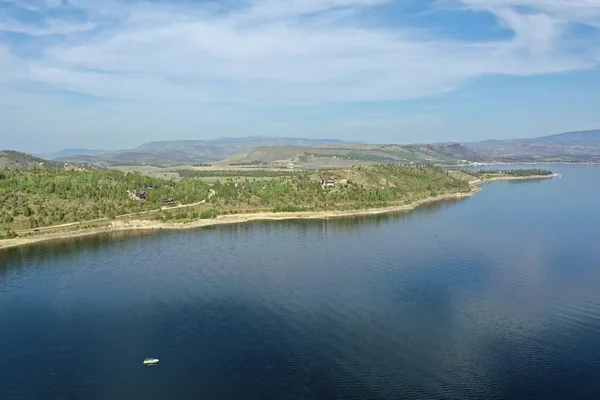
(39, 197)
(355, 188)
(32, 198)
(17, 160)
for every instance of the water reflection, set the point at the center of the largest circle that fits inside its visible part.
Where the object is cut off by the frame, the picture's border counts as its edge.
(347, 224)
(70, 247)
(471, 302)
(65, 249)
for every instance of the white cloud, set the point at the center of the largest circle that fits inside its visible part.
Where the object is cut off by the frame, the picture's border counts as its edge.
(269, 52)
(277, 52)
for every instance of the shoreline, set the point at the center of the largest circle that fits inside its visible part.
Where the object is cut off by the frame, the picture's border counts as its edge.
(229, 219)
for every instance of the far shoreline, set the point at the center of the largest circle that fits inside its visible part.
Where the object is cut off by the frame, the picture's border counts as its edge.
(132, 225)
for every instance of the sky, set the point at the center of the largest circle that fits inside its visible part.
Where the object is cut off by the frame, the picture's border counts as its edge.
(112, 74)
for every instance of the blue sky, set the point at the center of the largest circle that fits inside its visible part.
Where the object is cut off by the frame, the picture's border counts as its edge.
(116, 73)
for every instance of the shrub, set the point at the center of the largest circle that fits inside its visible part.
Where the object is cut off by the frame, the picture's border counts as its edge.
(287, 208)
(208, 214)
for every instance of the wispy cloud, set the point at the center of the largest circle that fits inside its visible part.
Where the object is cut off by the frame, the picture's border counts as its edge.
(279, 52)
(276, 51)
(48, 29)
(36, 5)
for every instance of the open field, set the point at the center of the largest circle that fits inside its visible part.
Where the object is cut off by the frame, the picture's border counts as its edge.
(148, 170)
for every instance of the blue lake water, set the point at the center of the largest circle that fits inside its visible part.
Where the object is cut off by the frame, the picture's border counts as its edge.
(493, 297)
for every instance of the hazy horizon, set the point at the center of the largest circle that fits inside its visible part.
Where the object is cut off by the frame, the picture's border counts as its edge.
(112, 74)
(69, 148)
(54, 151)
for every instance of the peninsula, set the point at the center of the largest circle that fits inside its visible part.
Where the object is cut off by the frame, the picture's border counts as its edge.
(42, 203)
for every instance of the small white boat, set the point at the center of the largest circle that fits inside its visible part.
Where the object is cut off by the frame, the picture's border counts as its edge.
(150, 361)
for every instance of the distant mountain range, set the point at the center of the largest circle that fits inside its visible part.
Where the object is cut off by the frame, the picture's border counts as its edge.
(581, 146)
(189, 151)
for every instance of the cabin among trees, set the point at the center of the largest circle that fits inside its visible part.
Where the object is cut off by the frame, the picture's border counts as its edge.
(139, 195)
(330, 182)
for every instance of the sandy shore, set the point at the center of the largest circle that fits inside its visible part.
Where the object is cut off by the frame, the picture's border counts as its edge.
(240, 218)
(225, 219)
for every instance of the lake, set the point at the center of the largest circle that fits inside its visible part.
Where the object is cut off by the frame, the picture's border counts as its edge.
(491, 297)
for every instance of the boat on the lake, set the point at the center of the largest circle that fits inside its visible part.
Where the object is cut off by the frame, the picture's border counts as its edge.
(150, 361)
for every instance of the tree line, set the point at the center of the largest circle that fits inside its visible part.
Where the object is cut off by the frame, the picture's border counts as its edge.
(511, 172)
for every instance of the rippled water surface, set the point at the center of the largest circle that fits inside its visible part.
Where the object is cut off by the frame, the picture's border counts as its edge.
(492, 297)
